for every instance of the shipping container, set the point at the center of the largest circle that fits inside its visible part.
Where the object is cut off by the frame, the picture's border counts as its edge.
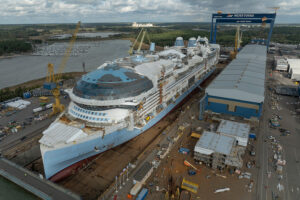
(142, 195)
(26, 95)
(49, 86)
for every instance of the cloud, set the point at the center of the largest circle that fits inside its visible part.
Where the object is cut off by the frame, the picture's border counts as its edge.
(61, 11)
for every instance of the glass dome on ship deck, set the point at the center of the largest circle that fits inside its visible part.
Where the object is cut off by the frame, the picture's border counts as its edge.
(111, 82)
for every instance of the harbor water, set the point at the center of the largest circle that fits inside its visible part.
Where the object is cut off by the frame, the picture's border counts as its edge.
(23, 68)
(11, 191)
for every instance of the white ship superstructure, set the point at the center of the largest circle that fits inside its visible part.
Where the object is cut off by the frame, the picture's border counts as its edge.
(122, 99)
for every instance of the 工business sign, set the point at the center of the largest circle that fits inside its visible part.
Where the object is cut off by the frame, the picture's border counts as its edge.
(245, 21)
(244, 15)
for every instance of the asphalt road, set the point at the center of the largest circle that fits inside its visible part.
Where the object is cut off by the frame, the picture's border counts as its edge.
(29, 132)
(267, 187)
(36, 182)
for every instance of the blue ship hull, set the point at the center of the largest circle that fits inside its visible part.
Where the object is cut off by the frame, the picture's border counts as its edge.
(59, 159)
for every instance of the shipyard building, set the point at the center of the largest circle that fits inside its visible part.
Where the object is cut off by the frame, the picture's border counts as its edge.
(239, 89)
(236, 130)
(218, 151)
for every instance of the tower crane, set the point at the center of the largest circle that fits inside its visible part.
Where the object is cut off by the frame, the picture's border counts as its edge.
(57, 107)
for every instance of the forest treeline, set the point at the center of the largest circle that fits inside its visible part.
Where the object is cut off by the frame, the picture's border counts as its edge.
(14, 46)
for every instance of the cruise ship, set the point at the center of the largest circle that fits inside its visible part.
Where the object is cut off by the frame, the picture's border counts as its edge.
(122, 99)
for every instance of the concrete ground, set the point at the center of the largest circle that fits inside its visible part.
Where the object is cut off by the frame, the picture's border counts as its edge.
(14, 145)
(285, 107)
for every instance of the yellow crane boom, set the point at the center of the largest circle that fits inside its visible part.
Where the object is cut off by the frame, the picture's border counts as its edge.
(67, 53)
(237, 43)
(57, 107)
(143, 33)
(140, 45)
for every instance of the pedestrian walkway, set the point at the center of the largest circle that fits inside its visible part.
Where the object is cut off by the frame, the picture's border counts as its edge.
(39, 186)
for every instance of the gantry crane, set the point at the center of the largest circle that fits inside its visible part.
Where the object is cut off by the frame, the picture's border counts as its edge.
(57, 107)
(143, 33)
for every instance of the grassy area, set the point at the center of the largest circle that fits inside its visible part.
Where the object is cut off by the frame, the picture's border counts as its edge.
(14, 46)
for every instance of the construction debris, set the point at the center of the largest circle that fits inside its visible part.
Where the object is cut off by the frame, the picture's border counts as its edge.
(186, 163)
(222, 190)
(221, 175)
(280, 187)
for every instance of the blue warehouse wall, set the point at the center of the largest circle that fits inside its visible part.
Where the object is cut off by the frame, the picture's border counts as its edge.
(238, 111)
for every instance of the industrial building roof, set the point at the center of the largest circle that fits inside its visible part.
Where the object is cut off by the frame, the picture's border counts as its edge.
(243, 79)
(234, 128)
(211, 142)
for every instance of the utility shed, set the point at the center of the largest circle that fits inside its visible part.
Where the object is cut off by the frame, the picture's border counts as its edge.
(239, 131)
(218, 151)
(239, 89)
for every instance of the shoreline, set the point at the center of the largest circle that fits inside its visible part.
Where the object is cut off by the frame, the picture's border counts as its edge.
(13, 55)
(39, 82)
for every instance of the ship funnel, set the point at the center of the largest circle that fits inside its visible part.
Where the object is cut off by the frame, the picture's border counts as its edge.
(152, 46)
(179, 42)
(192, 42)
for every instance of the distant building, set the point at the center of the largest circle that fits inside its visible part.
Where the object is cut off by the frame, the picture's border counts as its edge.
(134, 24)
(61, 36)
(218, 151)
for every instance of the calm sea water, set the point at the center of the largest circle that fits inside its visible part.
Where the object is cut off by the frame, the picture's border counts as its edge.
(11, 191)
(24, 68)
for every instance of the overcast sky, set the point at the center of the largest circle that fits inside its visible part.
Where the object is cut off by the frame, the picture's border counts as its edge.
(65, 11)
